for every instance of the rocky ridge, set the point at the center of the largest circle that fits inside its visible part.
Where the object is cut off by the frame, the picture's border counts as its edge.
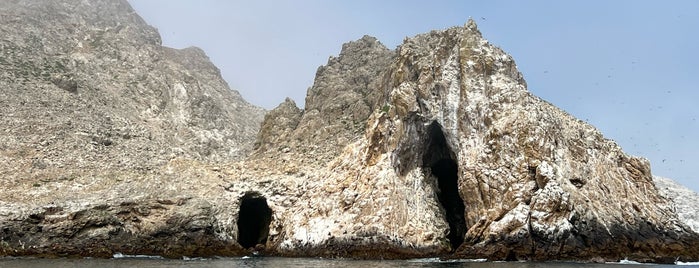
(433, 149)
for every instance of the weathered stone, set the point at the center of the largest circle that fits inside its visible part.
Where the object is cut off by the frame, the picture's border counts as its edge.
(434, 149)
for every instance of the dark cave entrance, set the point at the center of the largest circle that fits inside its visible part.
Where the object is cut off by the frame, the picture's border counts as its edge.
(440, 159)
(253, 220)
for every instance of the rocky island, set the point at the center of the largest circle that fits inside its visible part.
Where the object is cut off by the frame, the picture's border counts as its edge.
(112, 143)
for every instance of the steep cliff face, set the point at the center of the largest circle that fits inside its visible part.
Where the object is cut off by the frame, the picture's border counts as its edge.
(95, 112)
(434, 149)
(91, 78)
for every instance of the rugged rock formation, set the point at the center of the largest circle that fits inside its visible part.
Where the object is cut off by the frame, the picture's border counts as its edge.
(434, 149)
(457, 156)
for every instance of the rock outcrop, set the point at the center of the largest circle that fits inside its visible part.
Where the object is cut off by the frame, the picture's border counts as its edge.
(434, 149)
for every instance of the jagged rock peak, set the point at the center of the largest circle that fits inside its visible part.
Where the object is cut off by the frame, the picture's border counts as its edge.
(288, 102)
(362, 45)
(277, 126)
(344, 93)
(356, 62)
(472, 26)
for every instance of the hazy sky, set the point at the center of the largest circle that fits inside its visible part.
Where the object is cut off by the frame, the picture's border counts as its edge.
(628, 67)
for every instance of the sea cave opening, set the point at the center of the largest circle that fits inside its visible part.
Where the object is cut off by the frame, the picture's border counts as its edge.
(254, 218)
(440, 160)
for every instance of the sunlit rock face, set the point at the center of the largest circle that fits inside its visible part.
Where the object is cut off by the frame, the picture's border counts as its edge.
(435, 148)
(457, 156)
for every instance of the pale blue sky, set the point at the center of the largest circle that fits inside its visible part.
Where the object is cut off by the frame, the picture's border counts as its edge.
(627, 67)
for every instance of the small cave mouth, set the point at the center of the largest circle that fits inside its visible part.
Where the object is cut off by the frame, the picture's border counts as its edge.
(254, 219)
(439, 158)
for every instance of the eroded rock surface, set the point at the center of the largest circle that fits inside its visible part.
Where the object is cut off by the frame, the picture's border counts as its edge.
(433, 149)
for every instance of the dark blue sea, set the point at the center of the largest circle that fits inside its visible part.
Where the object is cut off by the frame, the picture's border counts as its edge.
(154, 262)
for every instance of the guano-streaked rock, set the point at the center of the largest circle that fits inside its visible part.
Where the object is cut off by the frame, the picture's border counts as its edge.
(533, 182)
(433, 149)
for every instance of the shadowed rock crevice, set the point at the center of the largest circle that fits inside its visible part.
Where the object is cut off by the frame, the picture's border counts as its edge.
(439, 158)
(253, 220)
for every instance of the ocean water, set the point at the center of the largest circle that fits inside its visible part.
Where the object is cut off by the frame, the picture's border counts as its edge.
(152, 262)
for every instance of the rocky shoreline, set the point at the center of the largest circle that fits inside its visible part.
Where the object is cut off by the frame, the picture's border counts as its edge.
(114, 144)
